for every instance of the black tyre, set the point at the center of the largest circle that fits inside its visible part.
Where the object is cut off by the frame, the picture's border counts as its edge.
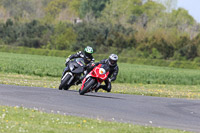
(64, 82)
(87, 86)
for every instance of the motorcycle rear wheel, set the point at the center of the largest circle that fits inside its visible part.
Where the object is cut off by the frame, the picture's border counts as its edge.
(63, 83)
(87, 86)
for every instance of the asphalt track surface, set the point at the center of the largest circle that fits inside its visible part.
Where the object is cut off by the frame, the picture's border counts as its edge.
(143, 110)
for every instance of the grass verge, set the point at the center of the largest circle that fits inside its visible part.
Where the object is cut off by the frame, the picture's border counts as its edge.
(175, 91)
(20, 119)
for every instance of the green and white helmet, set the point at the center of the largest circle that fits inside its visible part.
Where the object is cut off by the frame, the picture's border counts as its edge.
(88, 50)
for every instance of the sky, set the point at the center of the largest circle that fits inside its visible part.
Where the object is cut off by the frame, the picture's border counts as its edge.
(193, 7)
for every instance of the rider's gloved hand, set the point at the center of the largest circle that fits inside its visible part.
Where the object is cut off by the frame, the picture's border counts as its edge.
(67, 60)
(92, 64)
(109, 79)
(85, 72)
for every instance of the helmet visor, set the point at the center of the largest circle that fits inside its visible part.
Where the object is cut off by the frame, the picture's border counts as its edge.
(112, 62)
(88, 54)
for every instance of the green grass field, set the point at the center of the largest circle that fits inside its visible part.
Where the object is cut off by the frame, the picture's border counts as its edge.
(128, 73)
(20, 119)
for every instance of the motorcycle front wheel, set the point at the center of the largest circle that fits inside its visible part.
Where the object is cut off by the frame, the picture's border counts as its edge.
(64, 82)
(88, 84)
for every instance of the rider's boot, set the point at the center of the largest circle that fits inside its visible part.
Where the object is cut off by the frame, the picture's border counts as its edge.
(97, 89)
(104, 87)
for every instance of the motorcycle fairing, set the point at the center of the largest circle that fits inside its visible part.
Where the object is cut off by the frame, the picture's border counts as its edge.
(96, 75)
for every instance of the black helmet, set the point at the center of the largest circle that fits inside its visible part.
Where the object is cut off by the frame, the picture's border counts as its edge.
(88, 51)
(112, 59)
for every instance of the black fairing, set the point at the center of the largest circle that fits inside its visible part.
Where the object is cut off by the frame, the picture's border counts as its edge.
(76, 66)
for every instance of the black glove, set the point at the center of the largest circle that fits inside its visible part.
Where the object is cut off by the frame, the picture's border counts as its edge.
(109, 79)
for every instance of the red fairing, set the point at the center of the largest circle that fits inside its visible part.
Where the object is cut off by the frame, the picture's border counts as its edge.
(95, 73)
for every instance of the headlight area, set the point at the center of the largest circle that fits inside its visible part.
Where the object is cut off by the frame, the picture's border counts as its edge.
(102, 71)
(71, 67)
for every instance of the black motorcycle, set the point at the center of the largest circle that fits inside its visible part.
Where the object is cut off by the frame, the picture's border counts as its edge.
(72, 75)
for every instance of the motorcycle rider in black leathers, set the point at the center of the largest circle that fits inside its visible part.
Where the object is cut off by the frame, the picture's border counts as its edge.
(86, 55)
(113, 71)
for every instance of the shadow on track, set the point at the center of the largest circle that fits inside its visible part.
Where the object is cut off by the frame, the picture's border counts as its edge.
(89, 95)
(71, 90)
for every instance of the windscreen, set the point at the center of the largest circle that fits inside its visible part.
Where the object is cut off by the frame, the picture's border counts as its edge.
(80, 61)
(106, 67)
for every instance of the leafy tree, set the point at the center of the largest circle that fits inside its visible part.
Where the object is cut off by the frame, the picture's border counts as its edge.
(63, 37)
(74, 6)
(27, 34)
(54, 8)
(132, 11)
(31, 34)
(169, 4)
(119, 11)
(93, 7)
(92, 34)
(8, 32)
(189, 51)
(153, 10)
(19, 8)
(196, 42)
(103, 36)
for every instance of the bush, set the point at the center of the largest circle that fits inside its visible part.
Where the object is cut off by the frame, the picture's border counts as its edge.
(30, 34)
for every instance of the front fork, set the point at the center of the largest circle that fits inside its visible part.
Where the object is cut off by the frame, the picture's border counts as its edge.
(64, 72)
(71, 77)
(96, 85)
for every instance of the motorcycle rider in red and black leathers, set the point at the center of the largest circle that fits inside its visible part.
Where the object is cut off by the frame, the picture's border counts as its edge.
(113, 71)
(86, 56)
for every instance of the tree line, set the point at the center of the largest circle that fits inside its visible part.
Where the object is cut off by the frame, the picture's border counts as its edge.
(131, 28)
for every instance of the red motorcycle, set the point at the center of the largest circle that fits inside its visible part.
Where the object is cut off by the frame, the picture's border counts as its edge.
(94, 79)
